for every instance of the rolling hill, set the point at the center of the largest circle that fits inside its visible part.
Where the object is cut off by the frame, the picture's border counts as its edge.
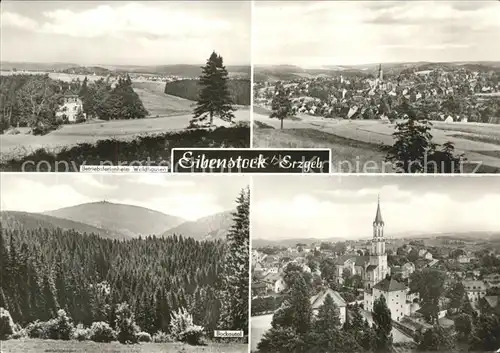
(211, 227)
(27, 220)
(132, 221)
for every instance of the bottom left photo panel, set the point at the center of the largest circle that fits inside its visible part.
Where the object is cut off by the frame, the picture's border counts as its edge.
(142, 263)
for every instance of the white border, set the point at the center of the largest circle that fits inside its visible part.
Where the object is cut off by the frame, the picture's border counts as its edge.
(252, 3)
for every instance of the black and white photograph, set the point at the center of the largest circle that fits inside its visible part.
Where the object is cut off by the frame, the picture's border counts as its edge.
(388, 86)
(143, 263)
(357, 264)
(92, 82)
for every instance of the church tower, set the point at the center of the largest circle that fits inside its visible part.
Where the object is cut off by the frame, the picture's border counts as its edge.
(378, 257)
(380, 72)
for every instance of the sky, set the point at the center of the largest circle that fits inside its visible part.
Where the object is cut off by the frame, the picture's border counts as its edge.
(344, 206)
(188, 197)
(319, 33)
(125, 33)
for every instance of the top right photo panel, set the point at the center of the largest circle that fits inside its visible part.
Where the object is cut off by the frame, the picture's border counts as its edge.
(388, 86)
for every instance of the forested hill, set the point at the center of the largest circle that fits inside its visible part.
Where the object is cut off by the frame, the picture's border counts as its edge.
(47, 269)
(132, 221)
(211, 227)
(240, 90)
(32, 221)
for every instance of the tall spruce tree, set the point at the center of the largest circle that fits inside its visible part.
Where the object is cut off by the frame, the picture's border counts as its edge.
(235, 276)
(214, 99)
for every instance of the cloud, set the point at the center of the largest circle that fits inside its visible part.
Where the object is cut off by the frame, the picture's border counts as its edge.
(404, 212)
(11, 19)
(354, 32)
(16, 190)
(134, 19)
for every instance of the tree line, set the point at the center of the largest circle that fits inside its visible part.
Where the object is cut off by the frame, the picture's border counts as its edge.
(33, 101)
(90, 278)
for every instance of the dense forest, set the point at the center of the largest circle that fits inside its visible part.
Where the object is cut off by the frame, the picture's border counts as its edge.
(46, 270)
(33, 100)
(190, 89)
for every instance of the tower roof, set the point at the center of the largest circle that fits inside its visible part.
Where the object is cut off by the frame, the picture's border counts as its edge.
(378, 216)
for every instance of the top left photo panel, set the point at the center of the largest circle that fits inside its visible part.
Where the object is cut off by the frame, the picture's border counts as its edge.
(121, 83)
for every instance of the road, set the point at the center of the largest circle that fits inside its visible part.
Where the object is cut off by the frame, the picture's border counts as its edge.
(378, 132)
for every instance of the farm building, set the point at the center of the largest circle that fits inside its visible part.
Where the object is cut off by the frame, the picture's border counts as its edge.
(72, 104)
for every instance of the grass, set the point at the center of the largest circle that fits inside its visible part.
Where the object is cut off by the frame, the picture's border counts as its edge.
(158, 103)
(147, 150)
(24, 144)
(348, 155)
(39, 346)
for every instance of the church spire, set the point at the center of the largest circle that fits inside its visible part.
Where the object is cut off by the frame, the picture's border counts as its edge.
(378, 216)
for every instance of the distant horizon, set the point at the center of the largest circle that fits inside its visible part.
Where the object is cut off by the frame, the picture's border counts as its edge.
(101, 64)
(187, 197)
(118, 203)
(325, 66)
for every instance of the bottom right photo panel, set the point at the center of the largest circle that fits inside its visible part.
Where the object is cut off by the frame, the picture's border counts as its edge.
(375, 264)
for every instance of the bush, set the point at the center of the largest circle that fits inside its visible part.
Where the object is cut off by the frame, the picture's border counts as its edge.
(101, 332)
(36, 329)
(19, 334)
(60, 328)
(183, 329)
(192, 335)
(162, 337)
(81, 333)
(126, 326)
(180, 322)
(144, 337)
(7, 326)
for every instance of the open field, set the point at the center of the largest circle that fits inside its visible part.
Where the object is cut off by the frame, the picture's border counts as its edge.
(16, 146)
(38, 346)
(159, 103)
(349, 139)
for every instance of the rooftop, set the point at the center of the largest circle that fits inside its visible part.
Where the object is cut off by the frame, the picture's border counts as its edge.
(390, 285)
(319, 299)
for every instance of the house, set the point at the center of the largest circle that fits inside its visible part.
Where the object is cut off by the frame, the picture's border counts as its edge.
(463, 259)
(425, 254)
(475, 290)
(72, 105)
(491, 301)
(396, 297)
(493, 280)
(318, 300)
(259, 289)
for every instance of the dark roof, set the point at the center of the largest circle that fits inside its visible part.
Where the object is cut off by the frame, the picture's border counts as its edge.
(378, 216)
(371, 268)
(318, 300)
(342, 259)
(362, 260)
(390, 285)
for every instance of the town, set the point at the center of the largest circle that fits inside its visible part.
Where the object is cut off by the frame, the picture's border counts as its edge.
(430, 284)
(449, 93)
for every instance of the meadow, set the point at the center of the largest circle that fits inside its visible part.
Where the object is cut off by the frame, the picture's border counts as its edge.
(152, 149)
(359, 141)
(38, 345)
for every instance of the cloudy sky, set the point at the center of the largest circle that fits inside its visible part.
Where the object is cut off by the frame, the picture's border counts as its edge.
(189, 197)
(122, 32)
(316, 33)
(344, 206)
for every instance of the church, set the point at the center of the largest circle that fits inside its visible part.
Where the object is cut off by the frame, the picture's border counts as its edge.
(375, 273)
(378, 281)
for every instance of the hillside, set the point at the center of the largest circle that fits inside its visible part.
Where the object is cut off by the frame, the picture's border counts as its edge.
(181, 70)
(27, 66)
(131, 221)
(88, 70)
(211, 227)
(31, 221)
(189, 89)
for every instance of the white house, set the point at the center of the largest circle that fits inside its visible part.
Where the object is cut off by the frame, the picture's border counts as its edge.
(72, 104)
(475, 290)
(318, 300)
(396, 297)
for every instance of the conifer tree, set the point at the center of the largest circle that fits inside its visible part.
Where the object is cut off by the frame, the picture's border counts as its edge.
(382, 324)
(281, 104)
(234, 312)
(214, 98)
